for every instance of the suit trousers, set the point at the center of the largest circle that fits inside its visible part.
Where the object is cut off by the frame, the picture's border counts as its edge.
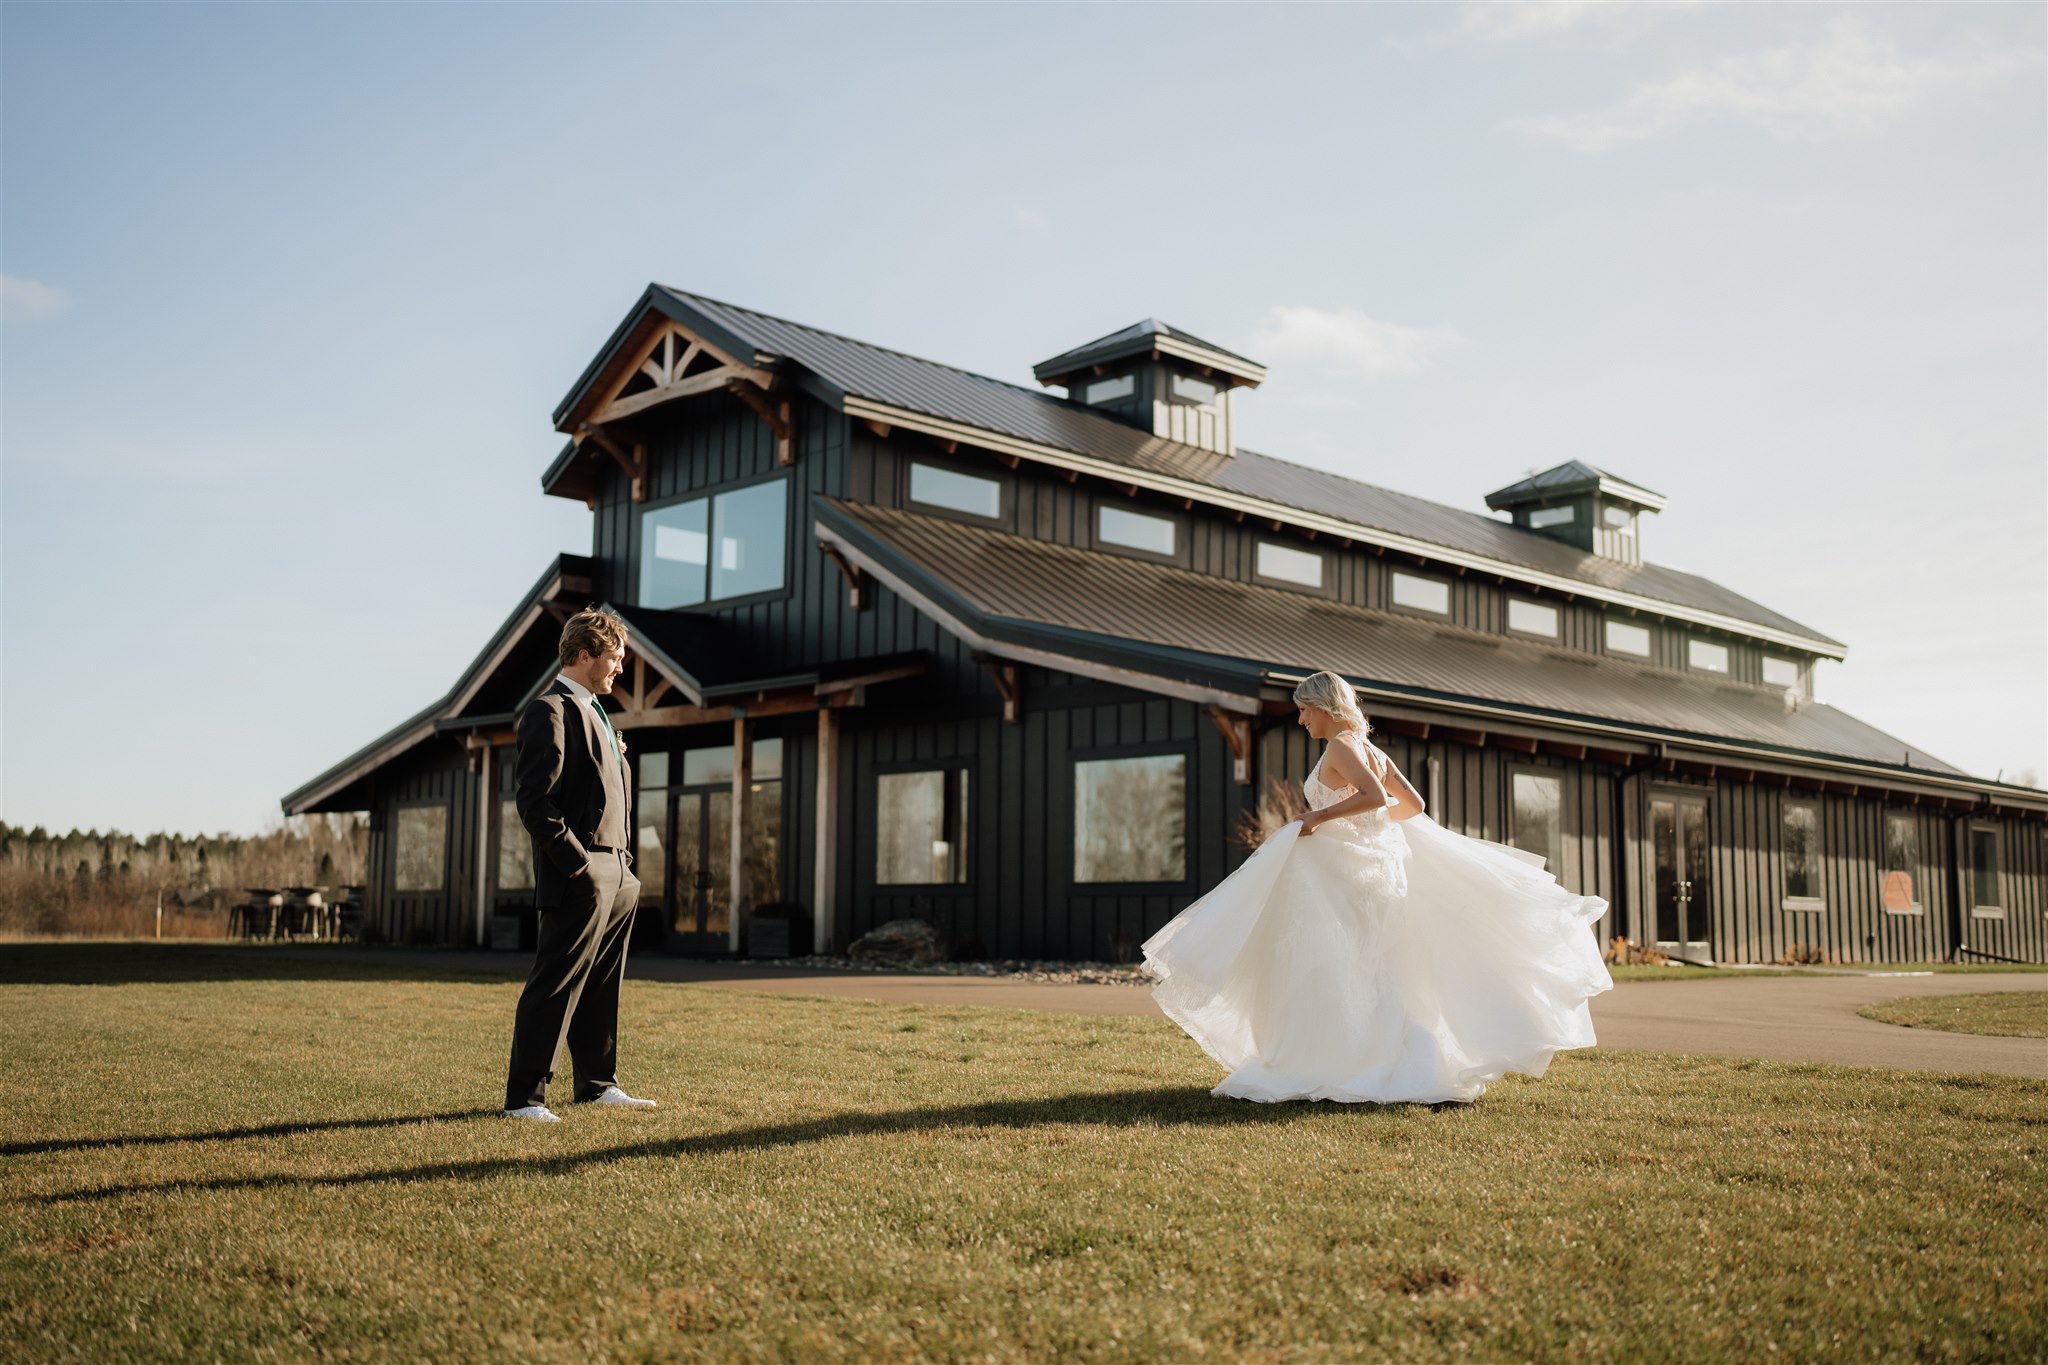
(572, 994)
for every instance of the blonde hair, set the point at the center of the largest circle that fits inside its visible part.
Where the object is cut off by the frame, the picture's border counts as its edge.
(1331, 693)
(590, 631)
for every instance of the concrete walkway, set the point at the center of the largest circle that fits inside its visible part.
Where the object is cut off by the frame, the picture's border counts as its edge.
(1782, 1018)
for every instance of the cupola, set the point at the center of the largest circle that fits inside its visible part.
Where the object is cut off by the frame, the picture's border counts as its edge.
(1581, 506)
(1159, 379)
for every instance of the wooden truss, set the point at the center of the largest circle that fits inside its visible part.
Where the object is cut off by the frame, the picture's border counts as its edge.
(672, 362)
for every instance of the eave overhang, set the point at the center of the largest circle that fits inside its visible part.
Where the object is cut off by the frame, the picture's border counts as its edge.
(1235, 369)
(944, 429)
(1687, 744)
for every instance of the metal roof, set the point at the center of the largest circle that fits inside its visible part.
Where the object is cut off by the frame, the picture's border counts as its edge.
(1222, 632)
(840, 368)
(1142, 338)
(1573, 476)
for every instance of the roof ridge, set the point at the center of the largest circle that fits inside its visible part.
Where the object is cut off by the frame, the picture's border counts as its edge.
(1026, 390)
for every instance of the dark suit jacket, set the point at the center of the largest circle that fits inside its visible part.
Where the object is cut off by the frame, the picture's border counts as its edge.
(560, 785)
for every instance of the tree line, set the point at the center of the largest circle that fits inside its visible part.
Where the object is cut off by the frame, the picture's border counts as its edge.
(86, 882)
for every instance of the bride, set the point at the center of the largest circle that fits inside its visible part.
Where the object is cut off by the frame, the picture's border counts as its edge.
(1365, 953)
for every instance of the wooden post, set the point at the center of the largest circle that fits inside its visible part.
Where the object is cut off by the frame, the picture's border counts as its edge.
(742, 804)
(826, 874)
(485, 813)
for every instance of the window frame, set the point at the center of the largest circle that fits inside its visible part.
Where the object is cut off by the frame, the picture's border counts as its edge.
(709, 495)
(1328, 587)
(1556, 631)
(1807, 904)
(1394, 576)
(1607, 625)
(1183, 749)
(1727, 668)
(509, 829)
(1006, 492)
(960, 764)
(1885, 869)
(1179, 555)
(1174, 396)
(1570, 517)
(1763, 672)
(1557, 775)
(1129, 395)
(1977, 910)
(398, 810)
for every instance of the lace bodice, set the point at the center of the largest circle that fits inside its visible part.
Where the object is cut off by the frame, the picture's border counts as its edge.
(1321, 793)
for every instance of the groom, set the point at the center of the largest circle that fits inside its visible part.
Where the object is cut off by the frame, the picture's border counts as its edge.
(570, 784)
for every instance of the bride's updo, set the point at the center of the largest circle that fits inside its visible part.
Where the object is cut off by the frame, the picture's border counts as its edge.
(1333, 694)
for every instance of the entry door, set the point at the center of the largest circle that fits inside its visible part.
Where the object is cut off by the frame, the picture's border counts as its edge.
(702, 900)
(1678, 842)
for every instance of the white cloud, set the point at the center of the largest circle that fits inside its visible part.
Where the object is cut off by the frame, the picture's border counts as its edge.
(1851, 78)
(1346, 342)
(23, 300)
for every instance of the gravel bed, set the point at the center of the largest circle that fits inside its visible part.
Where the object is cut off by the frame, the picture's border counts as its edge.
(1083, 973)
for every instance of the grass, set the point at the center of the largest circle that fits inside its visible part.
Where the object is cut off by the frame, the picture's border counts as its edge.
(1997, 1014)
(233, 1155)
(1691, 973)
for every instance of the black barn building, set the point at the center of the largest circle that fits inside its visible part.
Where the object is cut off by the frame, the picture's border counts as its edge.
(910, 641)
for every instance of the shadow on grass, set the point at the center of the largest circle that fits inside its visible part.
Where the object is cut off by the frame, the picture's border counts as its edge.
(121, 964)
(1164, 1106)
(86, 1144)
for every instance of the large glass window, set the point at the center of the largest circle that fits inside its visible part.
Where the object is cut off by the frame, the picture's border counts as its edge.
(1901, 864)
(1780, 672)
(515, 850)
(956, 492)
(1191, 390)
(1538, 823)
(1137, 530)
(732, 544)
(1800, 848)
(675, 552)
(1985, 900)
(1552, 516)
(1432, 595)
(1289, 565)
(1532, 618)
(921, 828)
(747, 529)
(1623, 638)
(1130, 819)
(1706, 656)
(713, 766)
(422, 852)
(650, 829)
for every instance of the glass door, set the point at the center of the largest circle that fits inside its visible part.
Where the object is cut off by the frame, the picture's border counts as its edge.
(703, 842)
(1680, 889)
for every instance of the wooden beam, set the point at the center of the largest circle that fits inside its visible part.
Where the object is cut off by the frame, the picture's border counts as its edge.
(1563, 750)
(1236, 729)
(825, 878)
(705, 381)
(1004, 676)
(881, 429)
(1070, 475)
(635, 464)
(1414, 729)
(742, 807)
(856, 580)
(1617, 757)
(776, 412)
(1475, 738)
(1521, 744)
(880, 675)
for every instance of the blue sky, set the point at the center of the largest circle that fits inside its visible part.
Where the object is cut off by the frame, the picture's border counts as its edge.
(291, 291)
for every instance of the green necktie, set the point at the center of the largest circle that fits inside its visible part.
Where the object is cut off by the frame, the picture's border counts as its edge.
(598, 706)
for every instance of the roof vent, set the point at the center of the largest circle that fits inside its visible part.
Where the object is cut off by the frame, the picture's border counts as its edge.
(1159, 379)
(1583, 506)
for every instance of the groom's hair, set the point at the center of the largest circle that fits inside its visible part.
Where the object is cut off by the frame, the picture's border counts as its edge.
(590, 631)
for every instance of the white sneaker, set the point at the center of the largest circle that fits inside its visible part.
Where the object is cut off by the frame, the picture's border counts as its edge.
(619, 1099)
(537, 1113)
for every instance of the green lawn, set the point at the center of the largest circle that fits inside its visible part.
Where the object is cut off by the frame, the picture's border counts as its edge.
(2000, 1014)
(221, 1155)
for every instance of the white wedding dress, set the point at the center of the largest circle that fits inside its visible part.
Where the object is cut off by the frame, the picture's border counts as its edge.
(1380, 961)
